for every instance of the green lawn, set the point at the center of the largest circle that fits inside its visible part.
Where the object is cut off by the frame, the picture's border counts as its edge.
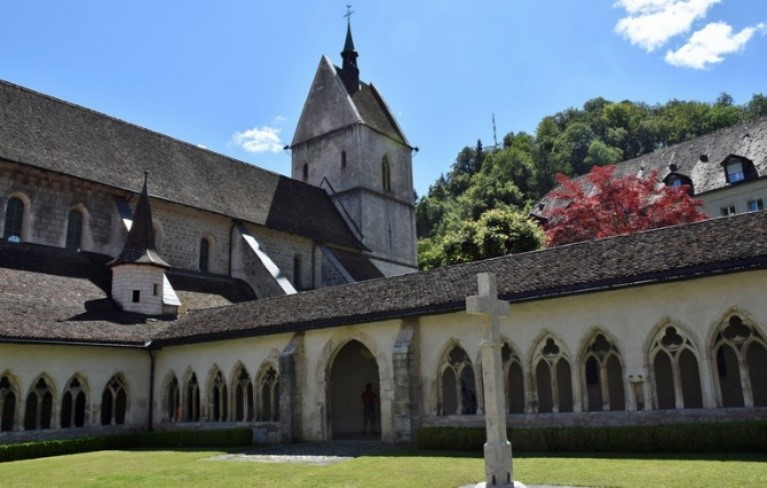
(398, 469)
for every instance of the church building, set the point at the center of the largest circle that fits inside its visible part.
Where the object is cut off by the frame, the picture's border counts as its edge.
(149, 284)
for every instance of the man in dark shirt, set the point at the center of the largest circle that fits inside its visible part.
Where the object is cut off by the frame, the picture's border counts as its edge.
(368, 409)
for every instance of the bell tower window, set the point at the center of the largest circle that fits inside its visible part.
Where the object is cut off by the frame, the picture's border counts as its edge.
(306, 172)
(343, 159)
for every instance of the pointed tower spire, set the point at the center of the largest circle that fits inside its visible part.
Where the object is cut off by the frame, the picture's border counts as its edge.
(349, 71)
(139, 245)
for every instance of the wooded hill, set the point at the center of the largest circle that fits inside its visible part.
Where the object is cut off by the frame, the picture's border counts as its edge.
(452, 219)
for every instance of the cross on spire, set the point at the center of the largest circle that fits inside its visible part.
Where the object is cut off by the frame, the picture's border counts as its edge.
(349, 13)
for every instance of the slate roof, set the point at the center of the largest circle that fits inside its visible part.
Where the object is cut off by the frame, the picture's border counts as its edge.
(374, 111)
(674, 253)
(54, 135)
(50, 294)
(748, 140)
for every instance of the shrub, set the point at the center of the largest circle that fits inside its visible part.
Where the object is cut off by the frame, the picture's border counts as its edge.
(718, 437)
(170, 439)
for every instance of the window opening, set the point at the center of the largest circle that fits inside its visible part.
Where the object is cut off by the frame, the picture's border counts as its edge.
(727, 211)
(136, 296)
(755, 205)
(204, 255)
(14, 219)
(74, 230)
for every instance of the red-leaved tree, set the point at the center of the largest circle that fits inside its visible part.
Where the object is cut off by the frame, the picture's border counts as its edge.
(603, 206)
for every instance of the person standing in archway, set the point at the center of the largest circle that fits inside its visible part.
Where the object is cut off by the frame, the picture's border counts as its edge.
(368, 409)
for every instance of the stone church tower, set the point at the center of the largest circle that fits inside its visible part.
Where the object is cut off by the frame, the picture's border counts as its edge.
(349, 143)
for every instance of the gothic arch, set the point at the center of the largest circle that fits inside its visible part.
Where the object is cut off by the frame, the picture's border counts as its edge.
(11, 402)
(115, 400)
(216, 396)
(74, 402)
(551, 375)
(601, 372)
(739, 361)
(386, 173)
(673, 359)
(205, 249)
(513, 377)
(190, 397)
(457, 383)
(241, 393)
(39, 405)
(171, 398)
(267, 391)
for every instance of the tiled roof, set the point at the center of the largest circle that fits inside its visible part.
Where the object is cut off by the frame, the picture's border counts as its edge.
(748, 140)
(49, 294)
(358, 265)
(679, 252)
(374, 111)
(204, 290)
(47, 133)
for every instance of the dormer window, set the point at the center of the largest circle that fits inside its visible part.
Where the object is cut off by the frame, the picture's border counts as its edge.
(738, 169)
(677, 180)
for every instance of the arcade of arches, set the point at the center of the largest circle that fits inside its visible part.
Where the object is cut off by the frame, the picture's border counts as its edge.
(547, 379)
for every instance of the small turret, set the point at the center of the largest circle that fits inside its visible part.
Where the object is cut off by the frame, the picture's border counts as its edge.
(138, 273)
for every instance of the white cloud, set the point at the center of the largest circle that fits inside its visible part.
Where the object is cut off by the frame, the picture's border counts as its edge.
(707, 45)
(259, 139)
(651, 23)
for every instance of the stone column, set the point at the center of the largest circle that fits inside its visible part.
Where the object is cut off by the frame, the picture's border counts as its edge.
(407, 382)
(498, 467)
(291, 372)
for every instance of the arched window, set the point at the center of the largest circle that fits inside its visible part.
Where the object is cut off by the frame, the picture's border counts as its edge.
(192, 400)
(306, 172)
(73, 404)
(343, 159)
(515, 387)
(603, 376)
(14, 220)
(114, 402)
(553, 381)
(741, 363)
(173, 400)
(675, 369)
(74, 230)
(39, 409)
(243, 395)
(297, 271)
(386, 173)
(269, 394)
(204, 255)
(8, 398)
(217, 398)
(458, 389)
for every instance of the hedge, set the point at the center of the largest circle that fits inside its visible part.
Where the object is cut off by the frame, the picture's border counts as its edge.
(715, 437)
(239, 437)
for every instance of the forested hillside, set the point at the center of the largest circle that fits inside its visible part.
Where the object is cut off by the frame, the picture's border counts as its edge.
(453, 219)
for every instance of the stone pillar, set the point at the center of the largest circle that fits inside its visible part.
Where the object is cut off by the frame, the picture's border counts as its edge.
(291, 374)
(406, 361)
(498, 467)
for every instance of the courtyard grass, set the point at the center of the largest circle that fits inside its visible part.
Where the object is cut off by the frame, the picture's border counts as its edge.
(393, 469)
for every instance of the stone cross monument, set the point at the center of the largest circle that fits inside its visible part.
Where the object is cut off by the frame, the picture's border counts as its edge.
(498, 469)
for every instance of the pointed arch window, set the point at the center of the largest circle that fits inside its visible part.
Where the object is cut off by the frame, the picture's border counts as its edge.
(204, 263)
(297, 271)
(343, 159)
(8, 398)
(14, 220)
(553, 381)
(218, 402)
(243, 396)
(74, 230)
(173, 405)
(114, 402)
(305, 172)
(269, 395)
(192, 400)
(675, 368)
(73, 404)
(386, 173)
(741, 360)
(458, 388)
(39, 409)
(515, 388)
(603, 376)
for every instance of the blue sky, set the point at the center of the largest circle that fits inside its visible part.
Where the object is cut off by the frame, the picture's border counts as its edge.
(232, 75)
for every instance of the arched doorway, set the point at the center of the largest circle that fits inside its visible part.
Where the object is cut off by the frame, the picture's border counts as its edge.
(353, 367)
